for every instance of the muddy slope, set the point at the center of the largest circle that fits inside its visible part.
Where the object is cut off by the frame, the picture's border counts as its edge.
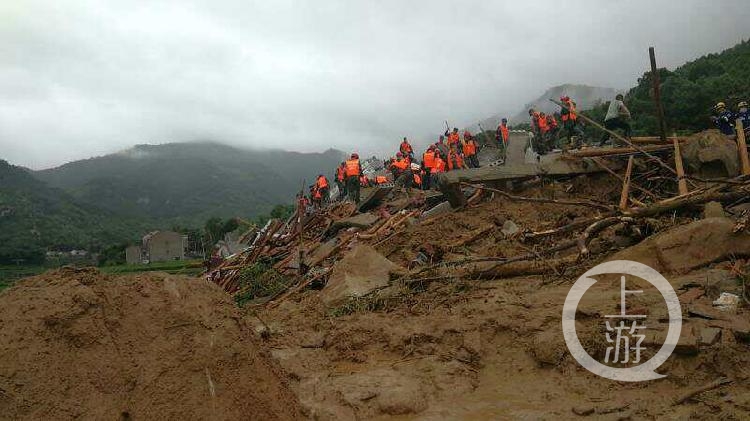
(78, 344)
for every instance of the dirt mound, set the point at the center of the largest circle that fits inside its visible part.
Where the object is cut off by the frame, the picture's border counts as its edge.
(79, 344)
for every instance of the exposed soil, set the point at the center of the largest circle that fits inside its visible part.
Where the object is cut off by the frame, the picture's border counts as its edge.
(76, 344)
(494, 349)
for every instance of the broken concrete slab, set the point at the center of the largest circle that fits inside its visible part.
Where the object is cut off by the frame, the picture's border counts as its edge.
(687, 247)
(360, 272)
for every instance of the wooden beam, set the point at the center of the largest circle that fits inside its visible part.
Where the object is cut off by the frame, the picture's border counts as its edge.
(681, 181)
(592, 152)
(657, 95)
(742, 147)
(626, 185)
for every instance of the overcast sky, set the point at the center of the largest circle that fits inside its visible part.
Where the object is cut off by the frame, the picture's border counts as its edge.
(83, 78)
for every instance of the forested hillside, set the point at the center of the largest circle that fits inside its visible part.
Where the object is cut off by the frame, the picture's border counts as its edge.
(690, 91)
(187, 183)
(34, 217)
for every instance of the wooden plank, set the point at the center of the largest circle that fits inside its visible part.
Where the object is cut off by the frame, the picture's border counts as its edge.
(626, 185)
(590, 152)
(681, 181)
(742, 147)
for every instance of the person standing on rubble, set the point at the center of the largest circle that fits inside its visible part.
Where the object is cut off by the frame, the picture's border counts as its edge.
(744, 115)
(453, 138)
(617, 117)
(406, 149)
(441, 147)
(502, 136)
(438, 168)
(323, 188)
(428, 163)
(569, 118)
(341, 179)
(724, 119)
(455, 160)
(353, 172)
(470, 153)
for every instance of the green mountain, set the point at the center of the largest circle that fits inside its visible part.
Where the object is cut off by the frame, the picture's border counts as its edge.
(187, 183)
(689, 92)
(34, 217)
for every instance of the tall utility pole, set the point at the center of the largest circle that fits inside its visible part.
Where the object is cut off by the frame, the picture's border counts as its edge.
(657, 95)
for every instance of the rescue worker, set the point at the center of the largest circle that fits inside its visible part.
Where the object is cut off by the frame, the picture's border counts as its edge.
(617, 117)
(453, 137)
(353, 171)
(744, 115)
(554, 131)
(322, 186)
(341, 179)
(381, 179)
(398, 166)
(470, 153)
(455, 161)
(544, 146)
(436, 170)
(442, 147)
(502, 134)
(406, 149)
(569, 118)
(364, 181)
(724, 119)
(417, 177)
(315, 196)
(428, 163)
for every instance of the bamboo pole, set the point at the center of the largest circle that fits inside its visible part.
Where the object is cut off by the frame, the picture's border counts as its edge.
(681, 181)
(742, 147)
(626, 185)
(657, 95)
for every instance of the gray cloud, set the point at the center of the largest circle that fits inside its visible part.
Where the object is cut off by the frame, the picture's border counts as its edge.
(82, 78)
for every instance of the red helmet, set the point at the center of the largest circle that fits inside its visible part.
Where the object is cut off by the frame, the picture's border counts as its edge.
(399, 155)
(564, 98)
(355, 156)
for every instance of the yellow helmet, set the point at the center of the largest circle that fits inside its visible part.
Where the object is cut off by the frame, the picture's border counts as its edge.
(720, 105)
(742, 104)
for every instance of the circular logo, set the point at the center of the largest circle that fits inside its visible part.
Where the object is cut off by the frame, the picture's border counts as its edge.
(642, 372)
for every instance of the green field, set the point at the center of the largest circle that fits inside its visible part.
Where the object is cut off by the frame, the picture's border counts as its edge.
(11, 273)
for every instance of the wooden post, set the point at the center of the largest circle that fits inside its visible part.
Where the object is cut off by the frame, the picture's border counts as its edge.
(681, 181)
(742, 147)
(626, 185)
(657, 95)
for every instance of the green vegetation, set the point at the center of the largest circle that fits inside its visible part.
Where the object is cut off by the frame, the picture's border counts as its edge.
(689, 92)
(187, 183)
(11, 273)
(35, 218)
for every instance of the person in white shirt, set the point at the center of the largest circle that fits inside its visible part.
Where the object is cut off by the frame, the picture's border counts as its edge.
(618, 117)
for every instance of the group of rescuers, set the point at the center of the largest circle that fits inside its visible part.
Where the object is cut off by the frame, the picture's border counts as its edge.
(453, 151)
